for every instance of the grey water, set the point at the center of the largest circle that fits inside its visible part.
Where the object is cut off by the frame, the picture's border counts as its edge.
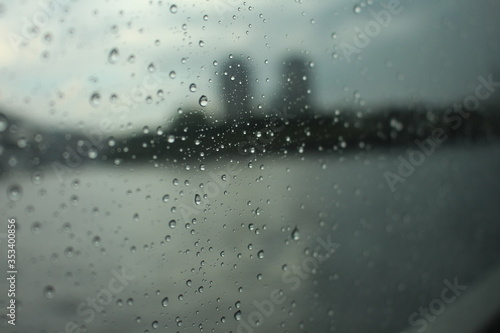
(203, 245)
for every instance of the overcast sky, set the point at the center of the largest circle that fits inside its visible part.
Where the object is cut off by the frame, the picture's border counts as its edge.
(431, 49)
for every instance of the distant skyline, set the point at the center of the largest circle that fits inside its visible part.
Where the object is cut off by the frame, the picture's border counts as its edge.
(434, 50)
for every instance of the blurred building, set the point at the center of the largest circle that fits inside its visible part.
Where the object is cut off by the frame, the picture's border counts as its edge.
(236, 91)
(295, 94)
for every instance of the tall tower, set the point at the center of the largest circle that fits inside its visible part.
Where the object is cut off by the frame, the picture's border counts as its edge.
(236, 91)
(295, 87)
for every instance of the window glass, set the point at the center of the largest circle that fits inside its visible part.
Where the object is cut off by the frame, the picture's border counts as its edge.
(249, 166)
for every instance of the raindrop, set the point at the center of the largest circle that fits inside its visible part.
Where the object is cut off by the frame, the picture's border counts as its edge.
(165, 198)
(357, 9)
(172, 75)
(203, 101)
(96, 241)
(295, 234)
(192, 87)
(68, 252)
(154, 324)
(113, 56)
(164, 302)
(95, 99)
(15, 192)
(171, 139)
(151, 68)
(237, 315)
(173, 9)
(74, 200)
(172, 224)
(111, 141)
(35, 228)
(92, 153)
(37, 177)
(260, 254)
(49, 291)
(197, 199)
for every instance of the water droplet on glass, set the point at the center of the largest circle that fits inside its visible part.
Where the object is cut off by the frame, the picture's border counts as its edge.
(165, 198)
(96, 241)
(164, 302)
(113, 56)
(192, 87)
(197, 199)
(15, 192)
(237, 315)
(36, 228)
(357, 9)
(173, 9)
(260, 254)
(151, 68)
(49, 291)
(95, 99)
(172, 224)
(295, 234)
(92, 153)
(203, 101)
(172, 75)
(111, 141)
(171, 139)
(68, 252)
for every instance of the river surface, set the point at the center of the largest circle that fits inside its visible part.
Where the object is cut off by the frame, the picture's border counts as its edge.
(214, 247)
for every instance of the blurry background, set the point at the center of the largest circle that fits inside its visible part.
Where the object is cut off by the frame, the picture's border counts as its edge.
(203, 147)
